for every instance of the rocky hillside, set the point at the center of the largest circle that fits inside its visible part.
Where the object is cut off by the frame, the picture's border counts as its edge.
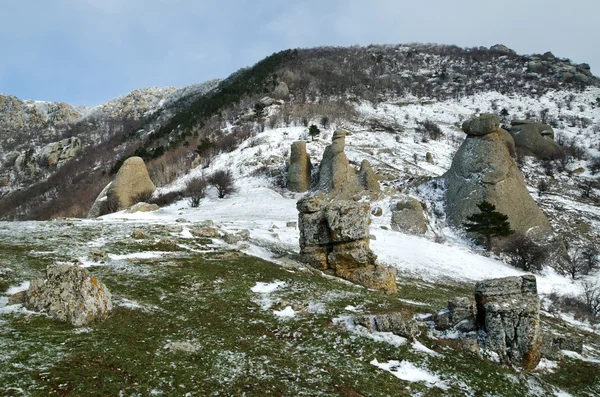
(169, 128)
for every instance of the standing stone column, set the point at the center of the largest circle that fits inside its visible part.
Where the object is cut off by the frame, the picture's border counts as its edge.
(508, 313)
(299, 169)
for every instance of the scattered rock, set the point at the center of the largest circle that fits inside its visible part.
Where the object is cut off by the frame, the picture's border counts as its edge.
(508, 314)
(393, 322)
(98, 255)
(18, 298)
(409, 217)
(459, 315)
(429, 157)
(299, 169)
(70, 294)
(377, 211)
(138, 234)
(334, 237)
(181, 220)
(142, 207)
(206, 232)
(291, 224)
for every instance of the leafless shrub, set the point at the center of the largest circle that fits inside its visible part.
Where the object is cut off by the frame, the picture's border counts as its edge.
(142, 197)
(166, 198)
(591, 295)
(525, 254)
(224, 183)
(195, 190)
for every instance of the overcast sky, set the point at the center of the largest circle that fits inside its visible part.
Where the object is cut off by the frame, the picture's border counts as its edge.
(89, 51)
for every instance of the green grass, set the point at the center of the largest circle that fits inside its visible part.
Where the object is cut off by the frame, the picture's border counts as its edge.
(241, 347)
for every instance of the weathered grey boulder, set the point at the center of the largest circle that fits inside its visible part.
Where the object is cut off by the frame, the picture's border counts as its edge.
(71, 294)
(282, 91)
(459, 315)
(482, 125)
(299, 169)
(503, 49)
(408, 216)
(508, 314)
(536, 138)
(100, 201)
(334, 237)
(482, 169)
(367, 177)
(131, 181)
(394, 322)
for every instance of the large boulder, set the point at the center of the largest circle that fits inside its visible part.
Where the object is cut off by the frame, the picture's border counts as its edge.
(334, 237)
(482, 169)
(536, 138)
(408, 216)
(71, 294)
(131, 181)
(508, 314)
(299, 169)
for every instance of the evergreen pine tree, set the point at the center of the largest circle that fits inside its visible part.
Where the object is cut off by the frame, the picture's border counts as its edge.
(488, 223)
(313, 131)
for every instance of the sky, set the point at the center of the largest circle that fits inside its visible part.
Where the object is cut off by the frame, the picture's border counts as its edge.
(86, 52)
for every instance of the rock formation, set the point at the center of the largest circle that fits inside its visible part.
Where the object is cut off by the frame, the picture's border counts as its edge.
(367, 177)
(482, 169)
(459, 315)
(334, 237)
(57, 153)
(282, 91)
(508, 313)
(131, 181)
(408, 216)
(100, 201)
(70, 294)
(338, 178)
(299, 169)
(536, 138)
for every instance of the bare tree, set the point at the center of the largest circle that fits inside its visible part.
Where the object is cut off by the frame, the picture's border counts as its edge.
(223, 181)
(591, 294)
(195, 190)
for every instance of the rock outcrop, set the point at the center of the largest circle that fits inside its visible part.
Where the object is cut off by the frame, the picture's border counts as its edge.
(394, 322)
(99, 203)
(334, 237)
(70, 294)
(338, 178)
(408, 216)
(282, 91)
(57, 153)
(536, 138)
(132, 180)
(459, 315)
(508, 314)
(299, 169)
(482, 169)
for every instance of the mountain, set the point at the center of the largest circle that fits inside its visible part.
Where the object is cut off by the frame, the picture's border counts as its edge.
(208, 297)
